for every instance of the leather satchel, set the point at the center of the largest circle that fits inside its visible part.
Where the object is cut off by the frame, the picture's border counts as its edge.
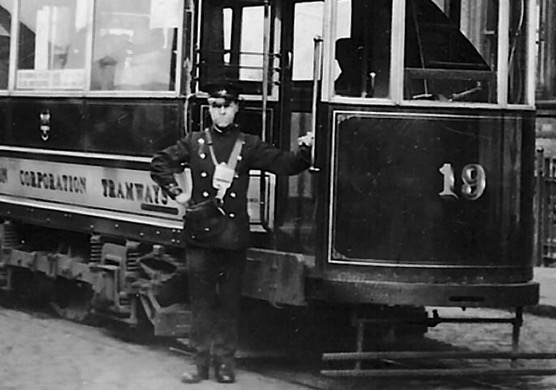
(206, 223)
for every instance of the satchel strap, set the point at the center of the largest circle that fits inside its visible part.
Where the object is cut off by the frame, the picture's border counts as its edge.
(236, 151)
(232, 160)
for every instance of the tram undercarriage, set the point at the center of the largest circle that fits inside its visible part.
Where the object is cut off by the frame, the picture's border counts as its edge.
(123, 276)
(118, 280)
(111, 279)
(139, 285)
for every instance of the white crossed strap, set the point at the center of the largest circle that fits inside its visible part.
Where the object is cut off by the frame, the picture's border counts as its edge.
(224, 173)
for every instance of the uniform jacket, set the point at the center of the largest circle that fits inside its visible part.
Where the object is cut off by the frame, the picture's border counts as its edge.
(193, 151)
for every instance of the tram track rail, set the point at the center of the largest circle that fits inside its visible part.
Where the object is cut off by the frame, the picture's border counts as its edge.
(424, 382)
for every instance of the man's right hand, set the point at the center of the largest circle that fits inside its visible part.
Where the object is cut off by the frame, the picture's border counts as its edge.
(306, 140)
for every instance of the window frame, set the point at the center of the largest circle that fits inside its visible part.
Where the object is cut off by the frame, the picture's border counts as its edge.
(397, 62)
(294, 64)
(545, 43)
(86, 91)
(275, 37)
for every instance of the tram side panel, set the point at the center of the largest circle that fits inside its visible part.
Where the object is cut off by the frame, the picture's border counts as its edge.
(77, 200)
(432, 209)
(90, 158)
(75, 190)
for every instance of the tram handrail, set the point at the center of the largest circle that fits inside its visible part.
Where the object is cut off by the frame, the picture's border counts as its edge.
(265, 83)
(228, 51)
(317, 65)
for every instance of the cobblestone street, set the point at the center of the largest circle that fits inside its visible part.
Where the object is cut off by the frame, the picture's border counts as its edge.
(39, 352)
(42, 353)
(538, 334)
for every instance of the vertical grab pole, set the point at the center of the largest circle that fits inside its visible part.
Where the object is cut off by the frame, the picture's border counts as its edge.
(317, 66)
(266, 67)
(265, 83)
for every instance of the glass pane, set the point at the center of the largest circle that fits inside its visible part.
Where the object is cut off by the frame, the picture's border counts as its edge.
(134, 44)
(216, 27)
(546, 54)
(5, 38)
(251, 58)
(307, 24)
(231, 45)
(228, 15)
(362, 48)
(517, 60)
(451, 50)
(295, 219)
(52, 44)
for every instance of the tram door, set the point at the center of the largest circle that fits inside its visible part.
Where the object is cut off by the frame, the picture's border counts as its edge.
(267, 48)
(302, 22)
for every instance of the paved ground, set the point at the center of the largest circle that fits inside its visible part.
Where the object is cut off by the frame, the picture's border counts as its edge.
(53, 354)
(547, 278)
(38, 352)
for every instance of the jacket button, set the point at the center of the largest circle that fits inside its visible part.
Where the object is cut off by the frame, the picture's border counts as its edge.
(232, 194)
(205, 194)
(232, 215)
(203, 155)
(204, 174)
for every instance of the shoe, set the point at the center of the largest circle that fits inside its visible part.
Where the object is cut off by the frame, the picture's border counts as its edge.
(196, 375)
(224, 373)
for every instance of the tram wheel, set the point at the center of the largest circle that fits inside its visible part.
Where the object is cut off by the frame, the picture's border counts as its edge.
(72, 301)
(29, 288)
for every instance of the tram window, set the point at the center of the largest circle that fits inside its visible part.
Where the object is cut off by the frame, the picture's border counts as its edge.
(251, 46)
(134, 45)
(51, 44)
(517, 61)
(546, 50)
(211, 55)
(451, 50)
(362, 48)
(308, 19)
(5, 28)
(227, 14)
(231, 42)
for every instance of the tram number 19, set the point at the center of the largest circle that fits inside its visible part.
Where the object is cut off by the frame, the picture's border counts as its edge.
(473, 179)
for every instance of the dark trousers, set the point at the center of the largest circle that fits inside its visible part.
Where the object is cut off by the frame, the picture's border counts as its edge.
(214, 293)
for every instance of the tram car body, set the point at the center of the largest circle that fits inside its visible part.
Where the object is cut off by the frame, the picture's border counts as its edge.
(546, 132)
(420, 191)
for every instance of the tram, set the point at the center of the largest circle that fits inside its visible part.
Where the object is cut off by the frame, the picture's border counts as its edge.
(420, 191)
(546, 133)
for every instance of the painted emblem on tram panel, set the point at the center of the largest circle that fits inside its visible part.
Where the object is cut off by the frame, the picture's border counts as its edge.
(45, 124)
(473, 181)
